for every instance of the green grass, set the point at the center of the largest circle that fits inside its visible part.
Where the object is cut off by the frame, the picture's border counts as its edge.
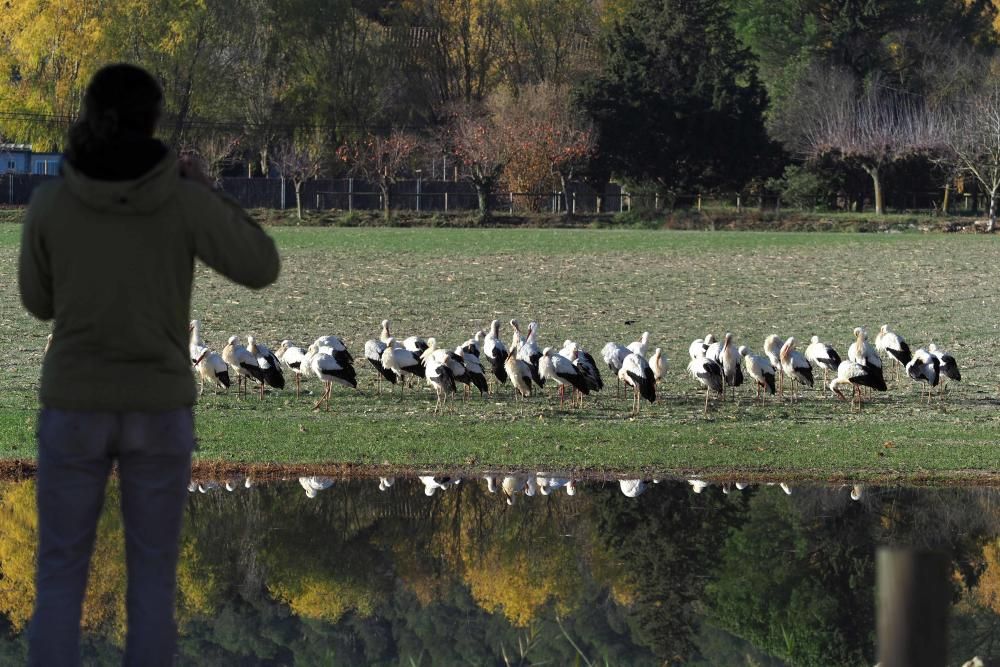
(593, 286)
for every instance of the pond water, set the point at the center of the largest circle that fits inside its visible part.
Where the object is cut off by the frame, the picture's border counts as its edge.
(445, 571)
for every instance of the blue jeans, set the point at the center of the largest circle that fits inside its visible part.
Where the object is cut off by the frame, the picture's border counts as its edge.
(75, 453)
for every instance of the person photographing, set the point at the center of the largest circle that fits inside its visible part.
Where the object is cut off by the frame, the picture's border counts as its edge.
(108, 253)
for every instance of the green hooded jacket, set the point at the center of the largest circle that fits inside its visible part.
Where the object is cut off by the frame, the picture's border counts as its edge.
(113, 263)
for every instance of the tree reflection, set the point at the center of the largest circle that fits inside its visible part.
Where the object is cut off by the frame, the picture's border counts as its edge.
(359, 575)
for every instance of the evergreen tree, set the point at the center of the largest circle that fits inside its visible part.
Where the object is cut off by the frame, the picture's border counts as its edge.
(678, 102)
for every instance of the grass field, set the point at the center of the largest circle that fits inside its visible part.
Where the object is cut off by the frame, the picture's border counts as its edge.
(593, 286)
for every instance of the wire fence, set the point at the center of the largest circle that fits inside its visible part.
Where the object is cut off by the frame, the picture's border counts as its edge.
(445, 196)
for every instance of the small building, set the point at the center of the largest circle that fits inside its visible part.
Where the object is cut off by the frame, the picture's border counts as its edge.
(21, 159)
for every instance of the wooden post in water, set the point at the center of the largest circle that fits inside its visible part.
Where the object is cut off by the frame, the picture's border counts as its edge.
(913, 597)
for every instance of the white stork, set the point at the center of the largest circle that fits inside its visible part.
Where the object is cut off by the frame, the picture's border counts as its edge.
(637, 374)
(709, 374)
(925, 367)
(399, 360)
(529, 352)
(639, 346)
(519, 373)
(823, 356)
(761, 370)
(438, 373)
(614, 356)
(772, 349)
(948, 365)
(553, 366)
(890, 343)
(660, 364)
(268, 363)
(242, 362)
(469, 353)
(292, 357)
(851, 373)
(210, 365)
(795, 365)
(729, 358)
(496, 352)
(373, 353)
(326, 367)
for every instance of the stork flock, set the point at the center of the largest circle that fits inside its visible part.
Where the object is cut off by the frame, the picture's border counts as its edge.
(716, 365)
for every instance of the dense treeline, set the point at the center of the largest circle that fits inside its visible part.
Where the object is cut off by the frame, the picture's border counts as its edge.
(829, 102)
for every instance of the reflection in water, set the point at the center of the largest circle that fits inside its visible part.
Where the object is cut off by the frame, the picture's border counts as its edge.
(508, 570)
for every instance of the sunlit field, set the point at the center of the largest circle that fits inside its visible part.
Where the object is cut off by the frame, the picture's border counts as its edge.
(592, 286)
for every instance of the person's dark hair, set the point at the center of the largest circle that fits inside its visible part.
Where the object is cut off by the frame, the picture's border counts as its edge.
(122, 103)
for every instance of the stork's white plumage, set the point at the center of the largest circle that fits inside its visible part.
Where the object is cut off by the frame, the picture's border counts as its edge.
(293, 357)
(268, 363)
(210, 365)
(853, 374)
(432, 483)
(709, 373)
(891, 343)
(632, 488)
(772, 349)
(400, 360)
(948, 366)
(823, 356)
(760, 369)
(469, 353)
(614, 356)
(659, 364)
(384, 335)
(313, 485)
(925, 367)
(697, 348)
(587, 366)
(529, 353)
(729, 359)
(336, 348)
(862, 351)
(639, 346)
(553, 366)
(453, 361)
(243, 364)
(373, 353)
(519, 373)
(637, 374)
(496, 352)
(438, 373)
(794, 364)
(326, 367)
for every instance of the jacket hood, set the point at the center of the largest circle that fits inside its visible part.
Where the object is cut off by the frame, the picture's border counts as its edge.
(144, 193)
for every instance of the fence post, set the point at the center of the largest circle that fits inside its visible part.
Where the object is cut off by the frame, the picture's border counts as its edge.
(621, 200)
(629, 195)
(739, 208)
(656, 201)
(282, 193)
(350, 194)
(511, 202)
(445, 201)
(699, 202)
(574, 202)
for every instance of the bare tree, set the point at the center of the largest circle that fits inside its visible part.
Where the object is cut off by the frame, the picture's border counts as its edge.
(379, 160)
(972, 137)
(874, 127)
(216, 150)
(483, 142)
(300, 159)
